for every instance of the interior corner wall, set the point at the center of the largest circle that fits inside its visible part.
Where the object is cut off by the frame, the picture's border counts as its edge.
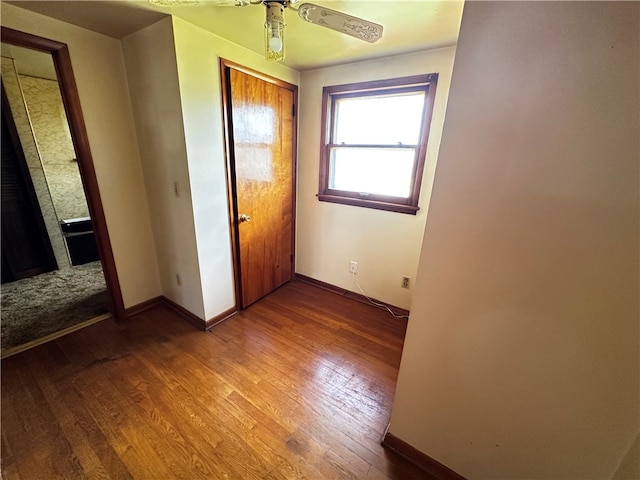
(198, 55)
(150, 58)
(386, 245)
(521, 356)
(629, 468)
(98, 67)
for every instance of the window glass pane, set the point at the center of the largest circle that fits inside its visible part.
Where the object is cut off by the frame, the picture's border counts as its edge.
(382, 120)
(383, 171)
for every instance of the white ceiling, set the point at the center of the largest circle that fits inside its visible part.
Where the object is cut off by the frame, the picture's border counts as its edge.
(409, 25)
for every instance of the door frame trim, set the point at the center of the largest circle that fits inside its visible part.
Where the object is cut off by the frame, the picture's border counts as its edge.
(227, 122)
(71, 101)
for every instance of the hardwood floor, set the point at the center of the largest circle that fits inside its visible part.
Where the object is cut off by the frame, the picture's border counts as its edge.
(299, 385)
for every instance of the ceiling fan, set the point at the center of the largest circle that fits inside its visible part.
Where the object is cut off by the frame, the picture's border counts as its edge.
(309, 12)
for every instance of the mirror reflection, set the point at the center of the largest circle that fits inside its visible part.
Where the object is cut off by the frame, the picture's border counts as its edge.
(52, 279)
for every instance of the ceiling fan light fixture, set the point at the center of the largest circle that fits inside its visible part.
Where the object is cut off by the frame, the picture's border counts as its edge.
(274, 24)
(274, 31)
(275, 42)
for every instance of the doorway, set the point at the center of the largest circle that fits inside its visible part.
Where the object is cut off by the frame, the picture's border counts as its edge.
(260, 128)
(80, 283)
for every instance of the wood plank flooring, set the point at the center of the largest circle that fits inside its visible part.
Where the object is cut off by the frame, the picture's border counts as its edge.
(299, 385)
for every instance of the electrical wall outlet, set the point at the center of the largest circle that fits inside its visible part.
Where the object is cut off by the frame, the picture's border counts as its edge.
(353, 267)
(405, 282)
(178, 279)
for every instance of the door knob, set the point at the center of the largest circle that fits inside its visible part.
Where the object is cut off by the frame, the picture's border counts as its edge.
(245, 218)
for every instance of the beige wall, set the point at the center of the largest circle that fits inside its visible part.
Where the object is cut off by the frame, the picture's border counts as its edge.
(98, 67)
(386, 245)
(521, 355)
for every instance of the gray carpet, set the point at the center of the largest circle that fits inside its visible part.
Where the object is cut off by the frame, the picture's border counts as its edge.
(38, 306)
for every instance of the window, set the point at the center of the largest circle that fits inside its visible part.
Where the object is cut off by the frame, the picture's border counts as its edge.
(374, 141)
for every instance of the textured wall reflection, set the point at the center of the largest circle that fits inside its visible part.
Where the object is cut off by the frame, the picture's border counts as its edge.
(51, 129)
(20, 115)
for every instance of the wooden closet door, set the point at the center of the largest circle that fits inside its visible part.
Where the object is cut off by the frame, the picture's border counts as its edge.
(26, 249)
(262, 116)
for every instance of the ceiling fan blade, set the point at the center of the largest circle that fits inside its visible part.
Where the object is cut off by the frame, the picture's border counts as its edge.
(341, 22)
(226, 3)
(212, 3)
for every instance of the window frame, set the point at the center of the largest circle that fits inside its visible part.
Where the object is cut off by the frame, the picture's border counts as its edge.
(330, 95)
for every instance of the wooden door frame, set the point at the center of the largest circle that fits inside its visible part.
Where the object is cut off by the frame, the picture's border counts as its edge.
(229, 145)
(71, 101)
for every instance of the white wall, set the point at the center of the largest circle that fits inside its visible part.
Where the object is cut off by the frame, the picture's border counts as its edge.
(99, 72)
(155, 94)
(198, 55)
(521, 356)
(386, 245)
(174, 76)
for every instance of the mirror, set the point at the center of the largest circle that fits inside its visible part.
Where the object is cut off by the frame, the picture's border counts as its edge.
(53, 235)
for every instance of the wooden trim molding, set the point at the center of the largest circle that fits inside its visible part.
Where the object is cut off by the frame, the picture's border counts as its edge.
(227, 314)
(255, 73)
(375, 204)
(141, 307)
(183, 312)
(194, 319)
(229, 149)
(431, 467)
(221, 317)
(71, 101)
(349, 294)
